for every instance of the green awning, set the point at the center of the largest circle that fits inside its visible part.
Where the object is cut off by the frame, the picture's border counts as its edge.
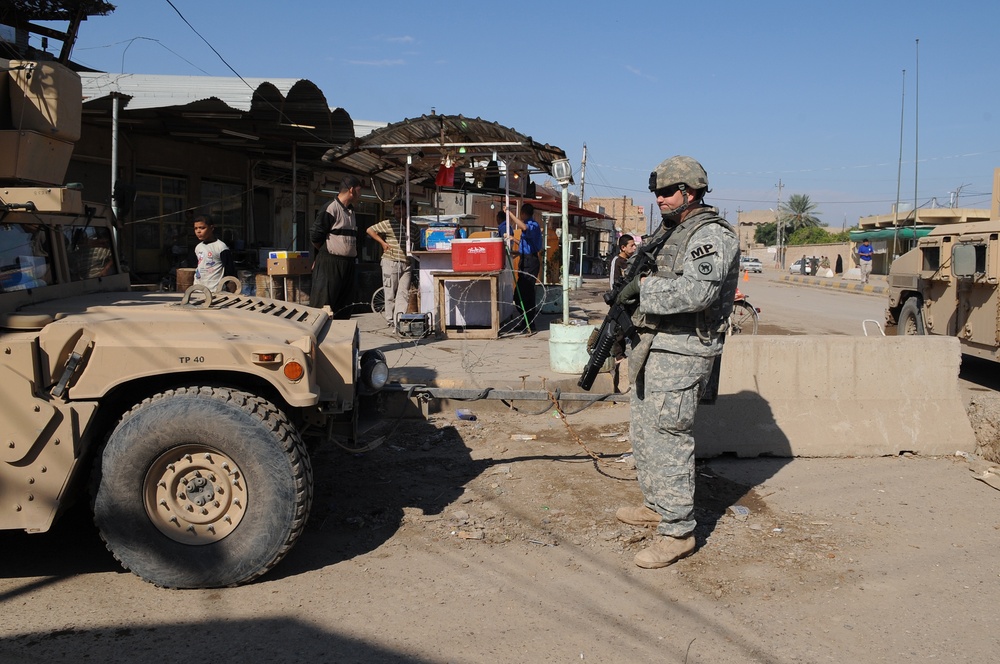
(902, 233)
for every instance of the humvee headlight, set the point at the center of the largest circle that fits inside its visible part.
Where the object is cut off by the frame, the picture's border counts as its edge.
(294, 371)
(374, 371)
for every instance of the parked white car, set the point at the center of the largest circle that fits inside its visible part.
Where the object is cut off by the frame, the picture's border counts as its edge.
(751, 265)
(796, 267)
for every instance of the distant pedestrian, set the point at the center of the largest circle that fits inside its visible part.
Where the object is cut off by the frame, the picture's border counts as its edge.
(215, 261)
(334, 234)
(802, 265)
(865, 260)
(839, 264)
(626, 247)
(391, 236)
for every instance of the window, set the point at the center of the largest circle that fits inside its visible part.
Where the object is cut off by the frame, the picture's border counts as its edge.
(89, 252)
(24, 257)
(222, 205)
(931, 258)
(161, 231)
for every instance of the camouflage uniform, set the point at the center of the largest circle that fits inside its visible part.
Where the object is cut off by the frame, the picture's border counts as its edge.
(682, 316)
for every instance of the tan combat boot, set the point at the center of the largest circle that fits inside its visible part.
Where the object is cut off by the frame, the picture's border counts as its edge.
(638, 516)
(665, 551)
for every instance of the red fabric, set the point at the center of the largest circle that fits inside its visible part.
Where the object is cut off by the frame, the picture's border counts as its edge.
(445, 176)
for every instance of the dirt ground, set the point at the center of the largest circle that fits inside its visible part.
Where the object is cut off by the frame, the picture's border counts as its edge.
(495, 540)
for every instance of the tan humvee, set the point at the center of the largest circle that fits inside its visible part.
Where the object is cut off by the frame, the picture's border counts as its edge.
(948, 285)
(185, 416)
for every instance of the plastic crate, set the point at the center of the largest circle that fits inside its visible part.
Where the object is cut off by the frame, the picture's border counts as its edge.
(478, 255)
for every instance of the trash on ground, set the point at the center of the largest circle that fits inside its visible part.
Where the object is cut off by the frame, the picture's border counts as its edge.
(465, 414)
(740, 512)
(523, 436)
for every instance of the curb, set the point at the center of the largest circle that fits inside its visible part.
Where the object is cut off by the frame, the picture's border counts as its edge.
(836, 285)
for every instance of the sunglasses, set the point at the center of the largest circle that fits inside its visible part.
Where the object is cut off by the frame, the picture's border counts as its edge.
(667, 192)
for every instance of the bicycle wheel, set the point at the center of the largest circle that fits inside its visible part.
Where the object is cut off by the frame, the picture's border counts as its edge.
(743, 320)
(378, 300)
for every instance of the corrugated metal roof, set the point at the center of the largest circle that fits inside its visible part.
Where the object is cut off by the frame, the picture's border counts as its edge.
(258, 116)
(426, 140)
(160, 91)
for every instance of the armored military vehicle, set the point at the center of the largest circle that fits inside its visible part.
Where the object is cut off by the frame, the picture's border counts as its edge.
(948, 284)
(185, 416)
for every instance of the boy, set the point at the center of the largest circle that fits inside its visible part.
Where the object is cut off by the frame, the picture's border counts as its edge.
(214, 258)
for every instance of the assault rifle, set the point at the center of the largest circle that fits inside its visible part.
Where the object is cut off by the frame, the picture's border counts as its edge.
(618, 322)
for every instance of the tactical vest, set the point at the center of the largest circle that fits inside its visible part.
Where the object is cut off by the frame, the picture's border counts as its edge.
(670, 265)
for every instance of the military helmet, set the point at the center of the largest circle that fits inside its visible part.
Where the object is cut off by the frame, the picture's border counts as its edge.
(678, 170)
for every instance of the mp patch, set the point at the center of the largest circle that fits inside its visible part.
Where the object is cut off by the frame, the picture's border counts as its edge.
(702, 250)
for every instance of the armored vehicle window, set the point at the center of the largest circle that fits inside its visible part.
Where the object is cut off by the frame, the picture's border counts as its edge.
(24, 257)
(89, 252)
(980, 259)
(931, 257)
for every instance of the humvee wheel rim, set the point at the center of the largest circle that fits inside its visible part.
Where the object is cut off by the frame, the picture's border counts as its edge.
(194, 494)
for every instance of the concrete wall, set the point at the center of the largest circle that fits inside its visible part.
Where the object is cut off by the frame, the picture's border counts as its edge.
(828, 396)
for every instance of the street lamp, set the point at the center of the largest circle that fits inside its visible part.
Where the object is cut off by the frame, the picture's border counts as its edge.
(563, 173)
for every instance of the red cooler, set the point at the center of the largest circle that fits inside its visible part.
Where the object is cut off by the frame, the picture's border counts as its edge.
(479, 255)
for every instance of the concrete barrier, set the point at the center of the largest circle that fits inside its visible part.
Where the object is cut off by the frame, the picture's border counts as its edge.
(829, 396)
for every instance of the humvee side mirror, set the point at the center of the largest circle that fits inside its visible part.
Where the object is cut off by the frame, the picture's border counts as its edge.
(963, 260)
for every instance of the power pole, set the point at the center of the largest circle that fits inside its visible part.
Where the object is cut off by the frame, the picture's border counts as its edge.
(583, 173)
(777, 217)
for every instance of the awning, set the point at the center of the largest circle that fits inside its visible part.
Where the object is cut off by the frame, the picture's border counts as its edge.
(426, 141)
(574, 210)
(904, 233)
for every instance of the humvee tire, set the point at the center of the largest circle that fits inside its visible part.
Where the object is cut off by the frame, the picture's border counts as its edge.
(202, 487)
(911, 321)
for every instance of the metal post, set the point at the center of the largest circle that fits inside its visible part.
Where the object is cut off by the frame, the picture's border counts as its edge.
(565, 251)
(114, 152)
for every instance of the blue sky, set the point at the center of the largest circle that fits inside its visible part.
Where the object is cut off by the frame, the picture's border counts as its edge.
(810, 94)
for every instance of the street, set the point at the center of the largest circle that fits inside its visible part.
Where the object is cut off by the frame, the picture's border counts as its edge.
(495, 540)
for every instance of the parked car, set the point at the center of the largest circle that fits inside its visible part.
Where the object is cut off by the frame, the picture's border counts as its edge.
(752, 265)
(796, 267)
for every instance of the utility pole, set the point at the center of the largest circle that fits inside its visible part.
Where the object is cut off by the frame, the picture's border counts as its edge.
(777, 219)
(583, 173)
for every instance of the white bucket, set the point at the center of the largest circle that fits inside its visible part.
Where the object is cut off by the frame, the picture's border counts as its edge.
(568, 348)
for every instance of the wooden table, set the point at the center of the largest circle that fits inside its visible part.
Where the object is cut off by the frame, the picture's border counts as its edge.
(441, 282)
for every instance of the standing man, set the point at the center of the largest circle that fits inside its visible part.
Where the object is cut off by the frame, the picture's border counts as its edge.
(334, 234)
(682, 314)
(530, 265)
(626, 247)
(396, 275)
(865, 260)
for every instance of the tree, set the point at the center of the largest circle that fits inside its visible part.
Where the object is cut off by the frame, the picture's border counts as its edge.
(766, 234)
(798, 212)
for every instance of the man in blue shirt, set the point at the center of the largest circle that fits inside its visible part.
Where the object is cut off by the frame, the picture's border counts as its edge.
(865, 260)
(530, 266)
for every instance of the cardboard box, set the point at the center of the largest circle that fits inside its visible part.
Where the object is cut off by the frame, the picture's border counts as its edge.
(282, 253)
(438, 238)
(477, 255)
(289, 266)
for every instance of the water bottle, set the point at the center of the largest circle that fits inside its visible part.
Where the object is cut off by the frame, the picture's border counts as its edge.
(465, 414)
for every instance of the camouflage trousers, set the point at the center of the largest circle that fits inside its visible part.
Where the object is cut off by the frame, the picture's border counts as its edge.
(664, 402)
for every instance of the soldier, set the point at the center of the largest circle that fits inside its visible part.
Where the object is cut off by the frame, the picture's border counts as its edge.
(682, 313)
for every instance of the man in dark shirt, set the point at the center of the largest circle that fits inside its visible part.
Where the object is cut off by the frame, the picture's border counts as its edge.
(334, 235)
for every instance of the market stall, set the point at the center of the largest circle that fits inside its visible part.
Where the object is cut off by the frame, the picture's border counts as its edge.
(449, 151)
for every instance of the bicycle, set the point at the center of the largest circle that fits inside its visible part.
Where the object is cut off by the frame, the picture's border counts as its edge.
(378, 300)
(745, 317)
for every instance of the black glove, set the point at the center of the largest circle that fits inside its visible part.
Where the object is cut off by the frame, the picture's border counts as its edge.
(630, 293)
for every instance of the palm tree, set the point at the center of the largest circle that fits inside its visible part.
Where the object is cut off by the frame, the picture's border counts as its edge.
(798, 212)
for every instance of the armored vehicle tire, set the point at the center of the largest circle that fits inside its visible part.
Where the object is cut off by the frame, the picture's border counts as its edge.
(911, 321)
(202, 487)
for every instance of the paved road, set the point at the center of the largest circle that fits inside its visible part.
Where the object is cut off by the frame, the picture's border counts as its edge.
(789, 308)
